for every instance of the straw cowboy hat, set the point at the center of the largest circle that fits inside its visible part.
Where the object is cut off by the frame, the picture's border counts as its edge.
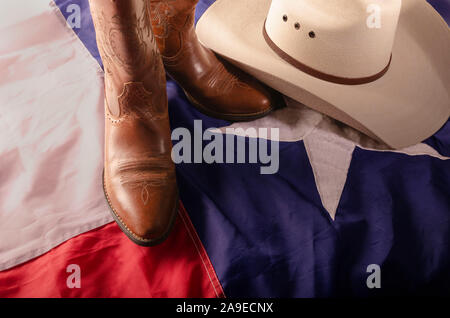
(380, 66)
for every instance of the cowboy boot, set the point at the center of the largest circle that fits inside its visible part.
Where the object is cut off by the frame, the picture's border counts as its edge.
(139, 175)
(213, 86)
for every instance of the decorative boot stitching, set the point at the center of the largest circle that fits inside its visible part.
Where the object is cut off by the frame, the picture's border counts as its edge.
(127, 229)
(163, 20)
(122, 223)
(161, 13)
(154, 170)
(223, 80)
(137, 29)
(139, 103)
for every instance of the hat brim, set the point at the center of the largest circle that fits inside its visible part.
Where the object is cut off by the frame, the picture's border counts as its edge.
(404, 107)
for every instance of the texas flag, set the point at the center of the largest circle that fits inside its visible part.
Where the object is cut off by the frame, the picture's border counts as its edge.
(336, 209)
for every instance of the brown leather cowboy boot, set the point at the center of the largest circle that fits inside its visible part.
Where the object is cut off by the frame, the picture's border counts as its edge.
(214, 87)
(139, 175)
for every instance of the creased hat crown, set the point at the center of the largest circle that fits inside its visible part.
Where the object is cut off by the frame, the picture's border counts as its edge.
(342, 38)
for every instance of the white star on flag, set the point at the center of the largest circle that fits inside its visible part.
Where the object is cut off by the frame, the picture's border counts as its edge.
(329, 145)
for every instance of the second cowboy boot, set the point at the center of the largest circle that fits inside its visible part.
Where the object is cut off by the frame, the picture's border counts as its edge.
(215, 87)
(139, 175)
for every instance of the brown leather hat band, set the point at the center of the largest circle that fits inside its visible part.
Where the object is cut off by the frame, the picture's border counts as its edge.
(323, 76)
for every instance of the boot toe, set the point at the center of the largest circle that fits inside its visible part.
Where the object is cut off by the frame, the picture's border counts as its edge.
(146, 219)
(152, 224)
(256, 102)
(149, 226)
(250, 100)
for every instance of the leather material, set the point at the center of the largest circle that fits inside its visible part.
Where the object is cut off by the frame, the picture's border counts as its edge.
(214, 86)
(139, 175)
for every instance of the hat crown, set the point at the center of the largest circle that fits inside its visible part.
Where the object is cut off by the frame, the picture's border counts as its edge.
(343, 38)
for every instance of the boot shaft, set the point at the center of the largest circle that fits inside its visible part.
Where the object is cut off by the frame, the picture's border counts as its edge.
(128, 50)
(173, 24)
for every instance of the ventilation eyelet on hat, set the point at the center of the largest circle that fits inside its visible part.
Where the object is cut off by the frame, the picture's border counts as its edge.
(297, 26)
(312, 34)
(285, 18)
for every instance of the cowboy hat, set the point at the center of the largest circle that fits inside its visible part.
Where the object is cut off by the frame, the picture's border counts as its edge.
(380, 66)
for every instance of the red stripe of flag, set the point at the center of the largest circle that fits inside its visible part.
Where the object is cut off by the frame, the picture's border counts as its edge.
(112, 266)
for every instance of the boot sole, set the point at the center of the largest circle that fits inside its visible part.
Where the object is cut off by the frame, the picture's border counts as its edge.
(132, 236)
